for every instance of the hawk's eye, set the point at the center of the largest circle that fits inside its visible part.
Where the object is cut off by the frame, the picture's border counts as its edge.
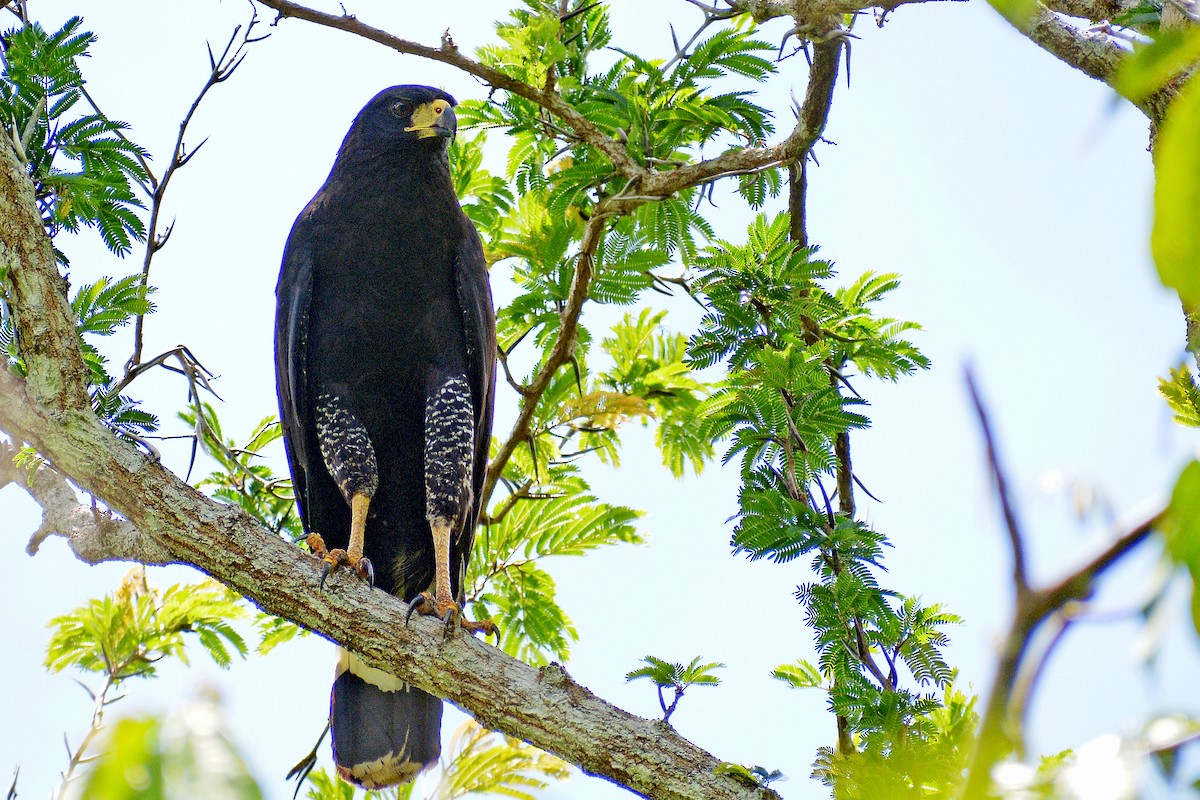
(401, 108)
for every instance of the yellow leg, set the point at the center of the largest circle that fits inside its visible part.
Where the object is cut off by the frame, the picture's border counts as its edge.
(442, 603)
(352, 556)
(358, 526)
(443, 597)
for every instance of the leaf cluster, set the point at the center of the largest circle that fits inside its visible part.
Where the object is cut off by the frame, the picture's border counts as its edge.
(650, 363)
(506, 579)
(85, 172)
(675, 676)
(664, 111)
(1182, 395)
(923, 756)
(241, 479)
(100, 308)
(187, 753)
(40, 93)
(792, 345)
(788, 342)
(127, 633)
(477, 762)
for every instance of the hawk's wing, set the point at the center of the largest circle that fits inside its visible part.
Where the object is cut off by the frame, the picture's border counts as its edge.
(293, 297)
(479, 329)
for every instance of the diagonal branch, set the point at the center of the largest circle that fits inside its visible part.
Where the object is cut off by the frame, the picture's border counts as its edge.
(222, 68)
(805, 11)
(996, 737)
(1016, 540)
(172, 522)
(94, 534)
(646, 185)
(1091, 52)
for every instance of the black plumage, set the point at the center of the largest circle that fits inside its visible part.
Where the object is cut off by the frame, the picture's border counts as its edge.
(385, 359)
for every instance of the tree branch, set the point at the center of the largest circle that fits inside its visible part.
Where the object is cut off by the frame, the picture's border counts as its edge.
(222, 68)
(448, 53)
(1092, 53)
(807, 10)
(93, 534)
(544, 707)
(1092, 10)
(37, 295)
(645, 185)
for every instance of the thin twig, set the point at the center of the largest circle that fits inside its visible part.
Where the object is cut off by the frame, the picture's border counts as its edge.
(79, 753)
(222, 68)
(560, 352)
(1016, 541)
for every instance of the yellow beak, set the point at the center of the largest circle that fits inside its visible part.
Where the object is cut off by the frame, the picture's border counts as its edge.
(433, 119)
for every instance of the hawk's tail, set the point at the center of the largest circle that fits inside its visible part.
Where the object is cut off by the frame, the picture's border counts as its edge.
(384, 731)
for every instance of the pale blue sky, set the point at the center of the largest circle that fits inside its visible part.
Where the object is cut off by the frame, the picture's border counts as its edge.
(1011, 192)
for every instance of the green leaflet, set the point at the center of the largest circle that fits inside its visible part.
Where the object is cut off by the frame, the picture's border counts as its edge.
(1175, 238)
(1182, 529)
(125, 634)
(1182, 395)
(1152, 65)
(505, 579)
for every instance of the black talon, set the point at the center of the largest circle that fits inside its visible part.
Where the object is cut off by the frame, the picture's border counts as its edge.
(326, 568)
(365, 565)
(413, 606)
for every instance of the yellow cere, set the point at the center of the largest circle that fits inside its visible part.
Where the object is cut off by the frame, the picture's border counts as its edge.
(425, 116)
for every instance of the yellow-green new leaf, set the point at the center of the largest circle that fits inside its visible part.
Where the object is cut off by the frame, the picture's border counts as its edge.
(1175, 240)
(1182, 529)
(1151, 66)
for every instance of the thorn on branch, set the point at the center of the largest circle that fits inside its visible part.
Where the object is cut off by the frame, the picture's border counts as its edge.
(564, 18)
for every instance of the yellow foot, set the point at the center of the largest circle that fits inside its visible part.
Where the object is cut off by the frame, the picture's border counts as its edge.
(331, 559)
(449, 611)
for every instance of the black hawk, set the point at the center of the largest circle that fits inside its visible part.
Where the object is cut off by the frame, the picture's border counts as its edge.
(385, 344)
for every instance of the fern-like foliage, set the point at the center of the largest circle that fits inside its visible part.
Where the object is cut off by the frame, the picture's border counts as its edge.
(84, 169)
(484, 763)
(100, 308)
(920, 749)
(241, 479)
(86, 173)
(649, 363)
(506, 579)
(792, 345)
(476, 763)
(485, 197)
(676, 677)
(1182, 395)
(127, 633)
(665, 111)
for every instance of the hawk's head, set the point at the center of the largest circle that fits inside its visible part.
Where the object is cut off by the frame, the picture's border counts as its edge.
(407, 117)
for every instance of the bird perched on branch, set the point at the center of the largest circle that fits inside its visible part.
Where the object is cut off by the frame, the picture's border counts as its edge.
(385, 344)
